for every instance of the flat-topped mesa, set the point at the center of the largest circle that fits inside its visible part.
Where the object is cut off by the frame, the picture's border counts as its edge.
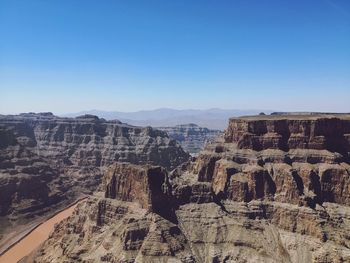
(299, 159)
(286, 132)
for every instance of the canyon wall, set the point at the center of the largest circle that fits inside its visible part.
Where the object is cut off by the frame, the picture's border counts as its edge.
(269, 191)
(47, 161)
(191, 137)
(317, 132)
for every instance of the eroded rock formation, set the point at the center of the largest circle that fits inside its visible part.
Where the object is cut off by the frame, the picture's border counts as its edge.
(270, 191)
(191, 137)
(47, 161)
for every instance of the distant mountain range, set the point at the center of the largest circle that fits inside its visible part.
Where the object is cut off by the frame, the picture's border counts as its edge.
(211, 118)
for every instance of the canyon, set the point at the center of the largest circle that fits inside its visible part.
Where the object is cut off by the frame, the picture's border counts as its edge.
(274, 188)
(48, 162)
(191, 137)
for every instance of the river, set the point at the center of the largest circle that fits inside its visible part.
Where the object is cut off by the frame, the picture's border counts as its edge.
(30, 242)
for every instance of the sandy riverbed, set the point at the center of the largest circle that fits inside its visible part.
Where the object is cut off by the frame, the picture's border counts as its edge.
(35, 238)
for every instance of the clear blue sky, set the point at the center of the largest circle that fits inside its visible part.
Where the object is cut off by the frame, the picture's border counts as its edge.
(70, 55)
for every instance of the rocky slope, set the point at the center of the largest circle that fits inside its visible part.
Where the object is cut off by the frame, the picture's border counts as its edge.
(47, 161)
(191, 137)
(274, 189)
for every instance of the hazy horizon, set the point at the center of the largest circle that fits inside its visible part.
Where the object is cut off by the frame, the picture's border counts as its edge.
(63, 113)
(71, 56)
(88, 111)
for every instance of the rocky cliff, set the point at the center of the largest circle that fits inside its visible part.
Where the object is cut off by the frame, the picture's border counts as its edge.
(47, 161)
(274, 189)
(191, 137)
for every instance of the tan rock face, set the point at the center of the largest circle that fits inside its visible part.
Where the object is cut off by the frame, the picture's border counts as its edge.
(148, 186)
(274, 190)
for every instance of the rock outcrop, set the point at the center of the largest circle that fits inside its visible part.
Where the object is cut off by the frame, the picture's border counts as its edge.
(269, 191)
(149, 187)
(191, 137)
(290, 132)
(47, 161)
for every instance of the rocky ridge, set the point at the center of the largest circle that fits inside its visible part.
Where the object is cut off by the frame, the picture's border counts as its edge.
(274, 189)
(191, 137)
(47, 162)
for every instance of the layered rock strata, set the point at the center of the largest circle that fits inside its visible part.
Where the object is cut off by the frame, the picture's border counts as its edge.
(191, 137)
(260, 194)
(47, 161)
